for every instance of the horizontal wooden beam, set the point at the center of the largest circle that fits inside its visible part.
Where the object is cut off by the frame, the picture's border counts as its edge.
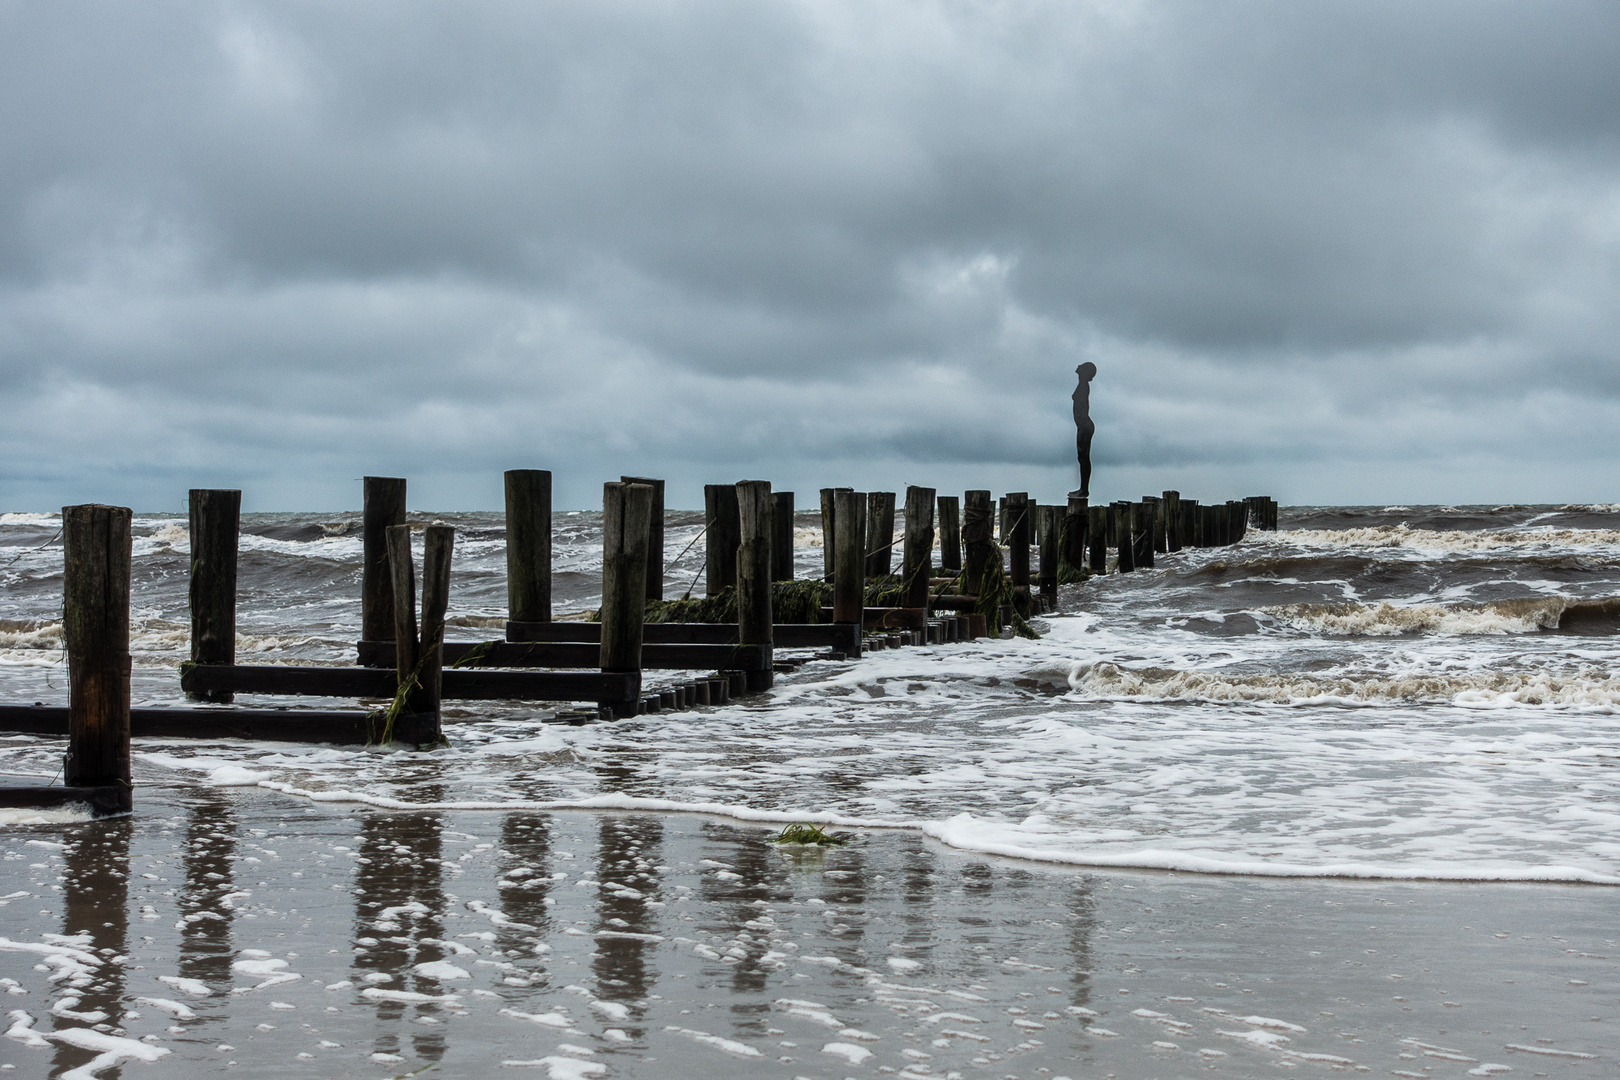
(346, 727)
(891, 618)
(459, 683)
(102, 800)
(463, 655)
(823, 635)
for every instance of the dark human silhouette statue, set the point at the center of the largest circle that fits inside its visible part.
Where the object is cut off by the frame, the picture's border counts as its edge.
(1082, 421)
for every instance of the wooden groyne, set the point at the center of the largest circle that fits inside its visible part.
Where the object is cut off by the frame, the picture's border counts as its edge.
(860, 604)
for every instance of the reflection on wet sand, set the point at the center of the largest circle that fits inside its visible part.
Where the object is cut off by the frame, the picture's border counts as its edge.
(95, 905)
(205, 917)
(399, 923)
(525, 885)
(627, 850)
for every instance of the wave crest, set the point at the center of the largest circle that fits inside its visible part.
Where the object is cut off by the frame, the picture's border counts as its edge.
(1522, 616)
(1478, 690)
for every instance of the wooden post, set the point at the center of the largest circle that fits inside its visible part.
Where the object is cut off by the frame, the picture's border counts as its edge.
(979, 550)
(407, 643)
(879, 533)
(720, 514)
(626, 528)
(829, 529)
(1048, 529)
(384, 508)
(1124, 536)
(849, 561)
(96, 549)
(782, 536)
(1160, 530)
(216, 521)
(754, 622)
(950, 532)
(1097, 538)
(1145, 518)
(1172, 521)
(917, 564)
(438, 545)
(1189, 523)
(655, 536)
(1020, 529)
(1072, 535)
(528, 545)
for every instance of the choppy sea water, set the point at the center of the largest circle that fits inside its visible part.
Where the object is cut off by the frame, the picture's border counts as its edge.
(1369, 692)
(1390, 734)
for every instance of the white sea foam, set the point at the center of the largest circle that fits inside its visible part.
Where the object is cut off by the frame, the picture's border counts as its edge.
(1437, 541)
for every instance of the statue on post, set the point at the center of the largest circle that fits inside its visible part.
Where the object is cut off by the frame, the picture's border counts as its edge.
(1082, 421)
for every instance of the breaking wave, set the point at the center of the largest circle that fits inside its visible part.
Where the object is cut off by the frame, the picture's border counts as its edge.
(1438, 540)
(1521, 616)
(1484, 689)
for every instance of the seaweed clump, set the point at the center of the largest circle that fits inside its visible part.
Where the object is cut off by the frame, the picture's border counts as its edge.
(810, 835)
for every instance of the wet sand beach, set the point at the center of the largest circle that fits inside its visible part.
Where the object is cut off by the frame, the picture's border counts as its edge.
(236, 931)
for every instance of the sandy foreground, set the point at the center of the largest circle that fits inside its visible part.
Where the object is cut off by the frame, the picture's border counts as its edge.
(240, 931)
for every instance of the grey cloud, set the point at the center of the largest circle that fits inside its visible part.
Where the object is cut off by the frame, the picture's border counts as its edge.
(284, 243)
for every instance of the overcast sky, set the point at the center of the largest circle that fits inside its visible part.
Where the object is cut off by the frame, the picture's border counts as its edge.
(1338, 253)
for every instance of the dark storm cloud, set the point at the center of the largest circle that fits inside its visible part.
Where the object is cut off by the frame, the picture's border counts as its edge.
(1343, 251)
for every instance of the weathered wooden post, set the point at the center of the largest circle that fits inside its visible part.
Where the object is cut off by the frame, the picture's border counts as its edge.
(96, 550)
(438, 545)
(1097, 539)
(950, 532)
(1189, 523)
(626, 528)
(1124, 536)
(410, 698)
(1271, 514)
(849, 567)
(1160, 529)
(981, 558)
(1020, 530)
(384, 507)
(755, 625)
(1172, 521)
(829, 529)
(528, 545)
(655, 536)
(879, 533)
(1076, 527)
(216, 523)
(1144, 533)
(917, 563)
(722, 537)
(1048, 528)
(782, 536)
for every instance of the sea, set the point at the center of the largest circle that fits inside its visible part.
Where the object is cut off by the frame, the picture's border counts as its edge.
(1394, 707)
